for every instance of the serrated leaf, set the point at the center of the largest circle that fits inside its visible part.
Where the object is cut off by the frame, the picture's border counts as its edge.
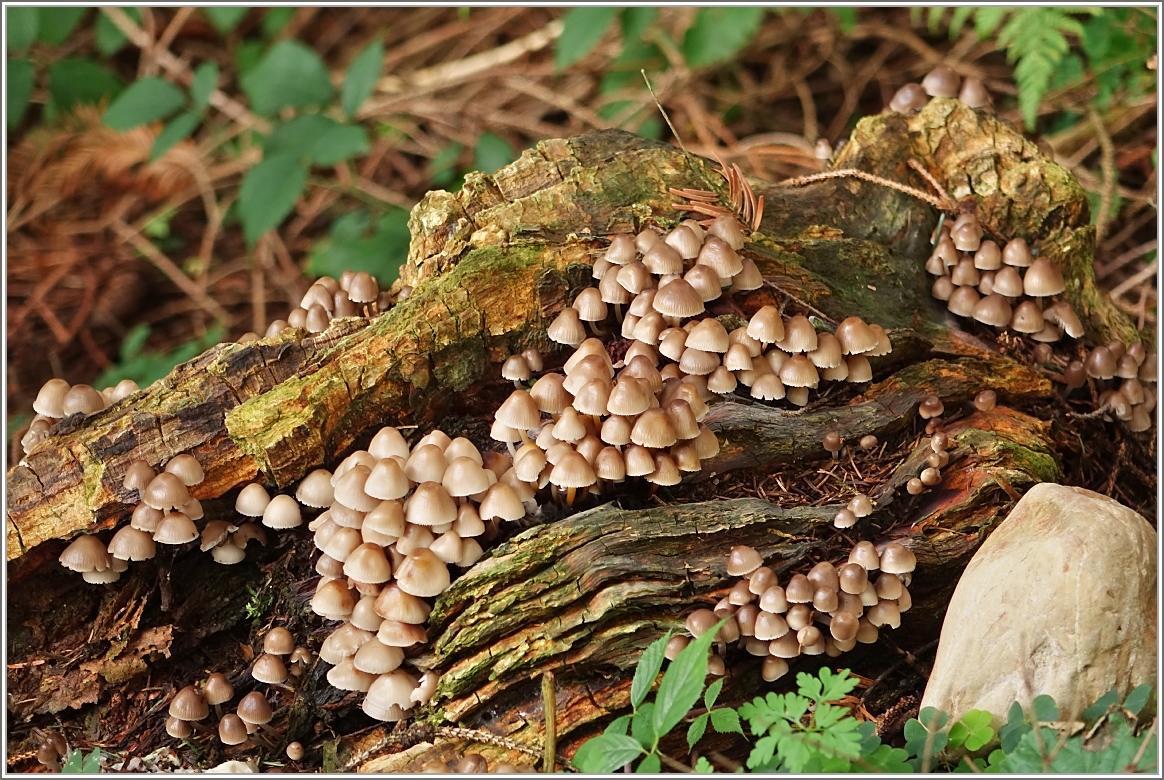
(493, 152)
(712, 693)
(57, 23)
(290, 74)
(19, 82)
(725, 720)
(108, 37)
(360, 81)
(650, 662)
(835, 686)
(73, 81)
(145, 100)
(21, 25)
(582, 29)
(683, 682)
(225, 18)
(696, 730)
(204, 83)
(703, 766)
(643, 726)
(717, 34)
(268, 193)
(987, 19)
(176, 129)
(606, 753)
(650, 765)
(959, 18)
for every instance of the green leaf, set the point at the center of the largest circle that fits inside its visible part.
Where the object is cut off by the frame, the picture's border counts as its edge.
(73, 81)
(696, 730)
(22, 23)
(1044, 708)
(290, 74)
(703, 766)
(134, 342)
(651, 765)
(650, 662)
(317, 139)
(354, 244)
(636, 20)
(619, 725)
(225, 18)
(683, 682)
(643, 726)
(846, 18)
(145, 100)
(360, 81)
(268, 193)
(177, 129)
(987, 19)
(606, 753)
(108, 37)
(582, 29)
(275, 19)
(712, 693)
(146, 367)
(20, 80)
(204, 83)
(442, 168)
(92, 763)
(248, 55)
(493, 152)
(1138, 698)
(719, 33)
(725, 720)
(58, 22)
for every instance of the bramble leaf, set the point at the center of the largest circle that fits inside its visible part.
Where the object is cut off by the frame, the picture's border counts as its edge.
(146, 100)
(650, 662)
(360, 81)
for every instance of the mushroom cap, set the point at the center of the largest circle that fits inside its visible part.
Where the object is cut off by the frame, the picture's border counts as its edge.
(799, 590)
(942, 81)
(993, 310)
(665, 257)
(727, 228)
(621, 250)
(187, 468)
(189, 704)
(392, 688)
(387, 442)
(430, 505)
(988, 257)
(855, 337)
(501, 502)
(678, 299)
(897, 559)
(315, 490)
(377, 658)
(83, 399)
(864, 554)
(252, 500)
(743, 560)
(516, 367)
(131, 544)
(165, 491)
(368, 563)
(974, 94)
(799, 336)
(217, 689)
(175, 528)
(270, 669)
(798, 371)
(721, 257)
(278, 641)
(282, 512)
(50, 398)
(709, 336)
(86, 554)
(567, 328)
(963, 300)
(908, 99)
(1043, 279)
(232, 730)
(465, 477)
(363, 288)
(520, 411)
(423, 574)
(1016, 253)
(395, 604)
(333, 600)
(573, 471)
(1027, 318)
(254, 708)
(1101, 363)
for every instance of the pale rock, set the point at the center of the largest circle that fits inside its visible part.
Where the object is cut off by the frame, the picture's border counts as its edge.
(1059, 600)
(235, 768)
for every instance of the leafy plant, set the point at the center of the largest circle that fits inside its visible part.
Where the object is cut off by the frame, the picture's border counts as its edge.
(78, 763)
(146, 367)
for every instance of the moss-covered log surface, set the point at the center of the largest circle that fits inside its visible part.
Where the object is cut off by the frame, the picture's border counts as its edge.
(582, 596)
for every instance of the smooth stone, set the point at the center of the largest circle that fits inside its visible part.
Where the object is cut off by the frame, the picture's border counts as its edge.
(1059, 600)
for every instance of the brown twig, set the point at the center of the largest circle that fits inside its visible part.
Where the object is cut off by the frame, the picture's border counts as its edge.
(853, 173)
(1110, 175)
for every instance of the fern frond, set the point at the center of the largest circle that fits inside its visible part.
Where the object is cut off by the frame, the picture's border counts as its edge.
(959, 18)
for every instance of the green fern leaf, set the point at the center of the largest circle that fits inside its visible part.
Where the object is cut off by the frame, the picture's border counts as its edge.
(987, 20)
(959, 18)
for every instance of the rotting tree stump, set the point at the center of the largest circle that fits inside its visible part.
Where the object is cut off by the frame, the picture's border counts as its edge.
(490, 267)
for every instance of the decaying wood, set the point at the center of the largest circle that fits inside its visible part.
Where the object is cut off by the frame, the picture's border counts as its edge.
(488, 268)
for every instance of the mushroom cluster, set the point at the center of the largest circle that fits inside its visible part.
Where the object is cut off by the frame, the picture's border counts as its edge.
(1125, 380)
(941, 82)
(355, 294)
(603, 421)
(57, 399)
(192, 704)
(1006, 287)
(826, 611)
(931, 474)
(476, 764)
(395, 519)
(165, 514)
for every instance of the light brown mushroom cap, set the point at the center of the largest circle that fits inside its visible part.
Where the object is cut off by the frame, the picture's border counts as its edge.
(501, 502)
(50, 398)
(333, 600)
(254, 709)
(988, 257)
(315, 490)
(269, 669)
(974, 94)
(368, 563)
(743, 560)
(722, 258)
(464, 477)
(282, 512)
(390, 689)
(897, 559)
(864, 554)
(1016, 253)
(664, 258)
(131, 544)
(349, 489)
(228, 554)
(278, 641)
(993, 310)
(175, 528)
(963, 300)
(430, 505)
(1043, 279)
(621, 250)
(395, 604)
(423, 574)
(377, 658)
(387, 442)
(187, 468)
(189, 705)
(516, 368)
(83, 399)
(1101, 363)
(86, 554)
(252, 500)
(165, 491)
(942, 81)
(217, 689)
(678, 299)
(798, 371)
(1027, 318)
(799, 336)
(520, 411)
(855, 337)
(567, 328)
(727, 228)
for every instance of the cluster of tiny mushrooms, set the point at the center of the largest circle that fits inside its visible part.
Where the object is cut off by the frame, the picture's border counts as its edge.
(394, 518)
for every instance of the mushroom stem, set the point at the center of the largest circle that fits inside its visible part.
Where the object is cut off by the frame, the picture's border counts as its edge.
(618, 312)
(597, 331)
(570, 492)
(517, 384)
(597, 422)
(524, 436)
(218, 711)
(512, 451)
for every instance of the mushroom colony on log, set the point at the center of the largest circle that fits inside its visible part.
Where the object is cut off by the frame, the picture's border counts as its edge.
(655, 340)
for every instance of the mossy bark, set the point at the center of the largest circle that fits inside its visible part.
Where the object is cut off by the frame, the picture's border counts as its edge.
(488, 268)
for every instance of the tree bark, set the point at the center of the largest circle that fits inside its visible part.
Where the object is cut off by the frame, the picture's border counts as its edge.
(489, 267)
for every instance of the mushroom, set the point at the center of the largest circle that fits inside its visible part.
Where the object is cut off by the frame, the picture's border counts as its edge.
(232, 730)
